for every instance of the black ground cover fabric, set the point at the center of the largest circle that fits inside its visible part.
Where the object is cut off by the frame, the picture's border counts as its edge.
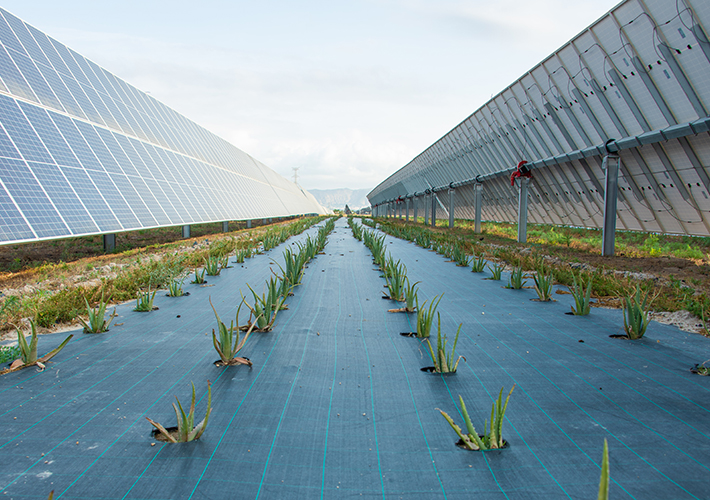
(336, 405)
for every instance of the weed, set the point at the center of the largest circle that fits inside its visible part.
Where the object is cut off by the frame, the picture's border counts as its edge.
(581, 297)
(97, 323)
(636, 317)
(9, 353)
(186, 430)
(144, 302)
(492, 435)
(443, 362)
(701, 369)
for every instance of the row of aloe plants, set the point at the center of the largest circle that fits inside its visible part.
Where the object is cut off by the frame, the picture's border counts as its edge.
(636, 306)
(445, 361)
(230, 340)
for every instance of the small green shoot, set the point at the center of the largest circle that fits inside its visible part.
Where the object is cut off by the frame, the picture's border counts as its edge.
(186, 430)
(444, 362)
(199, 278)
(144, 302)
(425, 317)
(175, 289)
(496, 271)
(516, 281)
(97, 323)
(492, 437)
(604, 479)
(581, 297)
(636, 315)
(478, 264)
(212, 266)
(543, 284)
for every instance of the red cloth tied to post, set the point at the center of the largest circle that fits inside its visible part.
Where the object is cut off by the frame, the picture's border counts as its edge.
(526, 173)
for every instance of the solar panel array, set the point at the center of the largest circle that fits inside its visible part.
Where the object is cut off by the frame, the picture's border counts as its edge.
(639, 75)
(83, 152)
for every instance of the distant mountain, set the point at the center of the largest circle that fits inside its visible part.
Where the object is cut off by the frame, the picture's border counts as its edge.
(338, 198)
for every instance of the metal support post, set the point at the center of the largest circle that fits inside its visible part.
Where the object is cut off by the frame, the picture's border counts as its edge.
(225, 226)
(451, 208)
(414, 202)
(523, 210)
(426, 209)
(185, 231)
(477, 190)
(433, 209)
(399, 209)
(249, 224)
(407, 211)
(109, 242)
(611, 189)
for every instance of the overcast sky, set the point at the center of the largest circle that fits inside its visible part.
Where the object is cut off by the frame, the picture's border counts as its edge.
(348, 91)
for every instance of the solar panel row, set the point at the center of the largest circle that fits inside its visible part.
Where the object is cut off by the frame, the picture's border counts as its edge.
(83, 152)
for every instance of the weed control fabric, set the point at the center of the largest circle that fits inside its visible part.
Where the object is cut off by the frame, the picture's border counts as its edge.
(336, 404)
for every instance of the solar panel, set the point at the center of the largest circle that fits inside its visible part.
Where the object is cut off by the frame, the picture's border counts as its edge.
(637, 79)
(83, 152)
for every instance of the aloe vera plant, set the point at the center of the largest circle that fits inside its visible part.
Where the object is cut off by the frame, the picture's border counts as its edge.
(543, 284)
(636, 314)
(212, 266)
(96, 322)
(227, 346)
(492, 437)
(241, 255)
(395, 274)
(186, 429)
(444, 362)
(263, 311)
(496, 271)
(199, 278)
(223, 262)
(28, 352)
(144, 302)
(425, 316)
(478, 264)
(581, 297)
(604, 479)
(516, 281)
(175, 288)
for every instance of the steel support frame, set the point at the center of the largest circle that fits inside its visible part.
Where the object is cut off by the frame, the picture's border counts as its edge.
(523, 209)
(610, 165)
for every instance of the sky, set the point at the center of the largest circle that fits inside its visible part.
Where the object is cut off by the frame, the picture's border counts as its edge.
(346, 91)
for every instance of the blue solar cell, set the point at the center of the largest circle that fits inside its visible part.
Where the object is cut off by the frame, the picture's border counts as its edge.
(100, 107)
(116, 113)
(127, 146)
(64, 198)
(13, 79)
(92, 199)
(164, 200)
(70, 62)
(7, 35)
(78, 93)
(49, 134)
(61, 91)
(115, 198)
(19, 130)
(147, 196)
(76, 141)
(31, 199)
(49, 50)
(115, 148)
(28, 42)
(139, 208)
(13, 227)
(98, 147)
(7, 149)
